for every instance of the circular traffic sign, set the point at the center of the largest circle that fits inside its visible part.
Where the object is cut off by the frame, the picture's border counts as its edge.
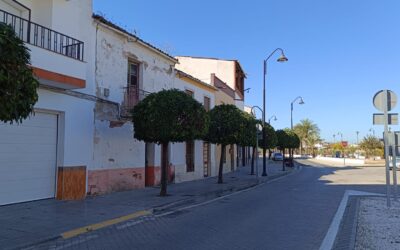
(385, 99)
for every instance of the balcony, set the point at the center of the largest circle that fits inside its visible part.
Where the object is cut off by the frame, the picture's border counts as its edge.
(132, 96)
(45, 38)
(56, 59)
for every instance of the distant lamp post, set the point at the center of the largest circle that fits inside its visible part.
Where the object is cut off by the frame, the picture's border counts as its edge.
(252, 112)
(282, 58)
(373, 131)
(334, 138)
(301, 102)
(357, 132)
(341, 136)
(272, 117)
(341, 142)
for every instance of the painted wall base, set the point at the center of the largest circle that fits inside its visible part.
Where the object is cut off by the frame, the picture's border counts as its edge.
(114, 180)
(71, 183)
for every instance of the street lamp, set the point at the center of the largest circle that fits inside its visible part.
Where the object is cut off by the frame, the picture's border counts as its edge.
(373, 131)
(341, 136)
(301, 102)
(357, 132)
(341, 141)
(275, 119)
(252, 170)
(282, 58)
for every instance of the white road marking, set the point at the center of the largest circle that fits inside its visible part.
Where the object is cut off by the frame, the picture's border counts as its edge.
(330, 236)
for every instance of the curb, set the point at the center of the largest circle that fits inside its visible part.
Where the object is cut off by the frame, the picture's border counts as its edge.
(337, 223)
(158, 210)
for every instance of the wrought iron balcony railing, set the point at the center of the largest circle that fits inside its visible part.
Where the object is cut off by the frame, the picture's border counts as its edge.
(38, 35)
(132, 96)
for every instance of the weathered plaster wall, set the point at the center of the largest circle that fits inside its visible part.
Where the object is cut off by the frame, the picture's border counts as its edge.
(202, 68)
(119, 159)
(114, 51)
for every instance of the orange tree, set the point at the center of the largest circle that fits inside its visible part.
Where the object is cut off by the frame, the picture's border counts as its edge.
(287, 139)
(18, 87)
(294, 141)
(225, 126)
(270, 135)
(247, 137)
(168, 116)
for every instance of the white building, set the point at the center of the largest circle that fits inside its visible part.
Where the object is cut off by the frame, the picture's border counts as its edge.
(80, 140)
(54, 147)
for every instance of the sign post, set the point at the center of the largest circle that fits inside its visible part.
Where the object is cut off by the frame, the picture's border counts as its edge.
(385, 101)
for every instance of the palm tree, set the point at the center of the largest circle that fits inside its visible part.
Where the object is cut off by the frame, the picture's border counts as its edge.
(308, 133)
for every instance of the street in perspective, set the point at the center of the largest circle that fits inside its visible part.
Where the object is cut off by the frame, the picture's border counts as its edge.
(199, 125)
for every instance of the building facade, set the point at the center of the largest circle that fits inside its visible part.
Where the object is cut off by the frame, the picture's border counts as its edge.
(229, 72)
(49, 153)
(92, 73)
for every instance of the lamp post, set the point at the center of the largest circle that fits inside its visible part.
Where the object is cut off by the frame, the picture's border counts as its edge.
(357, 132)
(282, 58)
(275, 119)
(301, 102)
(341, 142)
(252, 170)
(373, 131)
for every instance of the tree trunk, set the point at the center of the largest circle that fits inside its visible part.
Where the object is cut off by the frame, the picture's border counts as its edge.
(164, 165)
(243, 156)
(252, 160)
(269, 154)
(237, 156)
(283, 160)
(221, 164)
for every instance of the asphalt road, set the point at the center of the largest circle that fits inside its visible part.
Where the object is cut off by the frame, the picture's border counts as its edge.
(294, 212)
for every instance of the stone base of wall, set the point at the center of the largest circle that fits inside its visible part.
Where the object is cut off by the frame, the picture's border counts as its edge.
(114, 180)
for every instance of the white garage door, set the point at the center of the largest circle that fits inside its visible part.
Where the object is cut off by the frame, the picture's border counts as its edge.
(28, 154)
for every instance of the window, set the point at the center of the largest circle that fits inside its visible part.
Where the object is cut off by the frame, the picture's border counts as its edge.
(190, 156)
(133, 74)
(189, 92)
(207, 103)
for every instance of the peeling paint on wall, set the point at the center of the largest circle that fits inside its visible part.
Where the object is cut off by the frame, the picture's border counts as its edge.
(106, 111)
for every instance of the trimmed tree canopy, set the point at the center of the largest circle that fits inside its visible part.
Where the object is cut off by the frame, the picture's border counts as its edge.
(294, 140)
(248, 127)
(17, 85)
(169, 116)
(225, 123)
(283, 139)
(287, 139)
(271, 137)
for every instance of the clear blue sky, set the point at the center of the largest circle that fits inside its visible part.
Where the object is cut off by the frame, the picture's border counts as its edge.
(340, 52)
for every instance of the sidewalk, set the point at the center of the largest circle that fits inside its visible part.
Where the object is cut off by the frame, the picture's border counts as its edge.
(34, 222)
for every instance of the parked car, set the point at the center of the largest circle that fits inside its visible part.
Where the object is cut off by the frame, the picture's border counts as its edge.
(397, 164)
(277, 156)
